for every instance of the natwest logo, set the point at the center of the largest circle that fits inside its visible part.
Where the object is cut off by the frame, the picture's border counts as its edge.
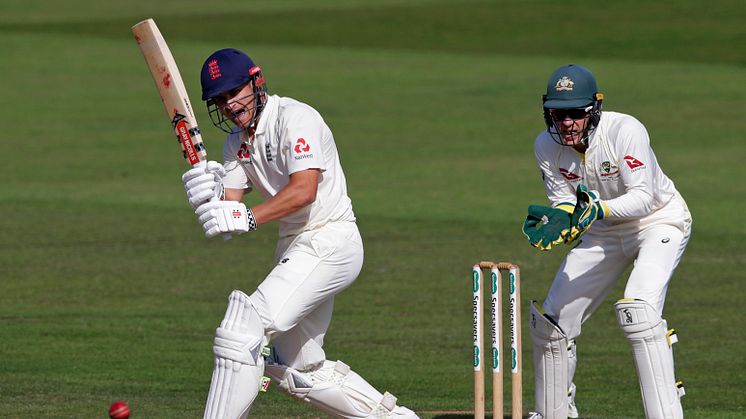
(243, 152)
(632, 162)
(301, 146)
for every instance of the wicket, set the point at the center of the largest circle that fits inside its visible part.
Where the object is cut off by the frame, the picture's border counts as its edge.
(514, 282)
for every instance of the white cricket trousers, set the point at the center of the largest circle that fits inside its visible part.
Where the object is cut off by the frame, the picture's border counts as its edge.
(654, 244)
(296, 299)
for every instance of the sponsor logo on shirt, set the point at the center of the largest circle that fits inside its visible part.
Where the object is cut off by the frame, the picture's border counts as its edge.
(301, 146)
(572, 177)
(609, 171)
(633, 163)
(243, 153)
(302, 150)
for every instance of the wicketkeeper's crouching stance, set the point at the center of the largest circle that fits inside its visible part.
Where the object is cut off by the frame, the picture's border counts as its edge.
(284, 149)
(599, 166)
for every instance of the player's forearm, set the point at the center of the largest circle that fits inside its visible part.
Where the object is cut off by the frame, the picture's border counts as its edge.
(234, 194)
(288, 201)
(296, 195)
(636, 203)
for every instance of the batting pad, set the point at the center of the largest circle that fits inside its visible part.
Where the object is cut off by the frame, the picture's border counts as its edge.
(239, 365)
(551, 364)
(651, 344)
(337, 390)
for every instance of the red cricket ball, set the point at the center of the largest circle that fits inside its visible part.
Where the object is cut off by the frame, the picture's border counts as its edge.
(119, 410)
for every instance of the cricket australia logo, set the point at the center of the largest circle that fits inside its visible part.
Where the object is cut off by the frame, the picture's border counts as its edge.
(564, 84)
(609, 170)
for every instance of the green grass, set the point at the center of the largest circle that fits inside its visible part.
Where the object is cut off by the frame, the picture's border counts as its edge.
(108, 290)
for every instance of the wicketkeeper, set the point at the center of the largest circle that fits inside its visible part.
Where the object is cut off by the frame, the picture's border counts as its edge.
(285, 150)
(611, 201)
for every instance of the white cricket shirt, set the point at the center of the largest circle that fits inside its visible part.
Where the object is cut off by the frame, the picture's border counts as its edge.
(619, 163)
(290, 137)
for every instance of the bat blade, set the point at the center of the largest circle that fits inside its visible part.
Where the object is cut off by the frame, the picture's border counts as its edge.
(171, 88)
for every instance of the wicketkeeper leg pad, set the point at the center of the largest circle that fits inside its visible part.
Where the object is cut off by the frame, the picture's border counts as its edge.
(651, 344)
(550, 365)
(337, 390)
(239, 365)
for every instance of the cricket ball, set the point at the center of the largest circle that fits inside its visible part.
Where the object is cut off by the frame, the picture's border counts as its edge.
(119, 410)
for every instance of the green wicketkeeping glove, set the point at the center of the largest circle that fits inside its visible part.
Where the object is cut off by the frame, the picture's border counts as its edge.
(589, 208)
(546, 226)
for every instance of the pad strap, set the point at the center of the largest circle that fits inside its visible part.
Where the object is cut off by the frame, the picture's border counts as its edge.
(237, 347)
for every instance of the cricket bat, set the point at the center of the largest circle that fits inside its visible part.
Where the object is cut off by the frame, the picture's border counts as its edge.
(171, 89)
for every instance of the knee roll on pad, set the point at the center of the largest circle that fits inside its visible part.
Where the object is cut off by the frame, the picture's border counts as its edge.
(239, 365)
(337, 390)
(551, 364)
(651, 343)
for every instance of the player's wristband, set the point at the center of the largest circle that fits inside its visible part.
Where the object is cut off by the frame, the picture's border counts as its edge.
(251, 220)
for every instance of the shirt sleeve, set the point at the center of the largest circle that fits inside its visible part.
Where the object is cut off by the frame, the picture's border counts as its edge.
(235, 177)
(303, 135)
(636, 172)
(558, 190)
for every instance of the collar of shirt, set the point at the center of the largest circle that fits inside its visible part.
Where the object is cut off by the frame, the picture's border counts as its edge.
(268, 115)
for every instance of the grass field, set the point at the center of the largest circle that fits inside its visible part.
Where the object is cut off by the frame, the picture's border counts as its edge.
(109, 290)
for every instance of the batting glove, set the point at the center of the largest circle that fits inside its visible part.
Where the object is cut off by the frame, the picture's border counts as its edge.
(203, 183)
(225, 217)
(546, 226)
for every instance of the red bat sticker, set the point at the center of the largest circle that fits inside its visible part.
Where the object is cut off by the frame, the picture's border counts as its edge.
(186, 142)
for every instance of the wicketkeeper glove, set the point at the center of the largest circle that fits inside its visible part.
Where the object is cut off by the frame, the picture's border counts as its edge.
(546, 226)
(225, 217)
(204, 182)
(589, 208)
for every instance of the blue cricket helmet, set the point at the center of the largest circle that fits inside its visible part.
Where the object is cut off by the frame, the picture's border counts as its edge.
(224, 70)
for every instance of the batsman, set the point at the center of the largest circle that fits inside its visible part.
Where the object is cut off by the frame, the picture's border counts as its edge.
(283, 149)
(612, 202)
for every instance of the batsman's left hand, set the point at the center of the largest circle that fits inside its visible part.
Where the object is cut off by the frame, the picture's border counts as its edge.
(588, 209)
(225, 217)
(546, 227)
